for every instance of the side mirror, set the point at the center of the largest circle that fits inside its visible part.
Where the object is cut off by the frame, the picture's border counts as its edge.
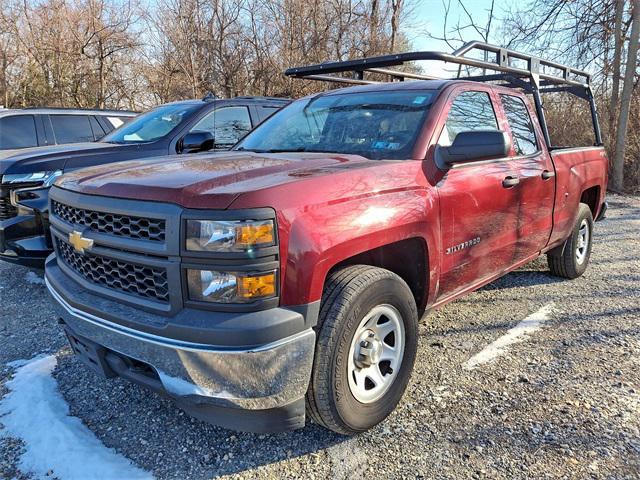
(194, 142)
(473, 146)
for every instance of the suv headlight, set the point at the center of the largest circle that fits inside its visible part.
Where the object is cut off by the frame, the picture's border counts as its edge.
(45, 179)
(229, 236)
(226, 287)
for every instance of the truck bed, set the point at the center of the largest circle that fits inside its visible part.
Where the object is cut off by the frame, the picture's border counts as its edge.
(579, 174)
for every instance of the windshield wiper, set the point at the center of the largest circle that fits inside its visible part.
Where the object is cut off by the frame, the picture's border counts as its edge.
(288, 150)
(270, 150)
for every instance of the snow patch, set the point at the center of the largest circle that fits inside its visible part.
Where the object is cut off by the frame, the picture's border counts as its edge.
(33, 278)
(516, 334)
(181, 387)
(22, 362)
(36, 413)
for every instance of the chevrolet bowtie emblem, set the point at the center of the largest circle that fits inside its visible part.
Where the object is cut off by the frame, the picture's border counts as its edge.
(79, 243)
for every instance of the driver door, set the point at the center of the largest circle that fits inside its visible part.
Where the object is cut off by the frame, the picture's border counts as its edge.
(478, 214)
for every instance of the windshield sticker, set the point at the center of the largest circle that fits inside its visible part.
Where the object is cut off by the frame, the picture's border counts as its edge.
(386, 145)
(419, 100)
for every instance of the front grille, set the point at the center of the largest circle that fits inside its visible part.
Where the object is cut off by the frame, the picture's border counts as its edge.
(122, 225)
(144, 281)
(6, 209)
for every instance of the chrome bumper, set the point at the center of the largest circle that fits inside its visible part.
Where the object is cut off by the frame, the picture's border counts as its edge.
(261, 378)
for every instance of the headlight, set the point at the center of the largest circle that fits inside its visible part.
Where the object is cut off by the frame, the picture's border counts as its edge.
(46, 179)
(229, 236)
(225, 287)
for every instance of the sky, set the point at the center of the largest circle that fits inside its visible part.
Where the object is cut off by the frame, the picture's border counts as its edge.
(428, 16)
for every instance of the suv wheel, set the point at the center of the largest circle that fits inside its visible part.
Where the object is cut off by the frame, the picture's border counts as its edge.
(571, 259)
(367, 340)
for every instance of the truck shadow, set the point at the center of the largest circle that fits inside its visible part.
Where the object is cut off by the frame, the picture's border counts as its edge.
(522, 278)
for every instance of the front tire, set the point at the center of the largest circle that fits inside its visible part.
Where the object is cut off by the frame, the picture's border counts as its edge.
(571, 259)
(366, 347)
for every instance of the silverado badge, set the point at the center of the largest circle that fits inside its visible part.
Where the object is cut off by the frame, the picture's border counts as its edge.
(79, 243)
(462, 246)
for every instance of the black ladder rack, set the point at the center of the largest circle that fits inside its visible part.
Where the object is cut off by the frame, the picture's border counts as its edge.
(514, 69)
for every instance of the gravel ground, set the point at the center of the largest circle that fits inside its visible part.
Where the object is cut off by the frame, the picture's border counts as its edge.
(564, 403)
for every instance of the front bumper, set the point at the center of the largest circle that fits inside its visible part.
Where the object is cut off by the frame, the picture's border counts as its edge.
(256, 388)
(23, 241)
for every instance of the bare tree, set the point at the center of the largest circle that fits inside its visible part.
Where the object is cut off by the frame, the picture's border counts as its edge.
(467, 26)
(625, 99)
(593, 35)
(617, 57)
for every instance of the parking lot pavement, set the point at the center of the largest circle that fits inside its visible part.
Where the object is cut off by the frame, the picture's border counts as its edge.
(530, 377)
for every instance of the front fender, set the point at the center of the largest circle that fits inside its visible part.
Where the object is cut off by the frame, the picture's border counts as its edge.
(315, 239)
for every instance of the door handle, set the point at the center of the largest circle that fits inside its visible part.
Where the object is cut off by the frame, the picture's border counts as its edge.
(546, 175)
(509, 182)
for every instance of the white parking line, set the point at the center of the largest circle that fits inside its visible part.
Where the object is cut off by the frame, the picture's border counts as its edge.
(57, 445)
(516, 334)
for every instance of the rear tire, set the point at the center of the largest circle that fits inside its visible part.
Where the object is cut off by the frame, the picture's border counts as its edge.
(367, 340)
(571, 259)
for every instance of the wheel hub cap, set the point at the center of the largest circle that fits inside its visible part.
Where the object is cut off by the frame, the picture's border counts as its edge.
(582, 245)
(369, 349)
(376, 353)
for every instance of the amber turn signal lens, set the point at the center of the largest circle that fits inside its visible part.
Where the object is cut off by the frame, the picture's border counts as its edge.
(254, 234)
(257, 287)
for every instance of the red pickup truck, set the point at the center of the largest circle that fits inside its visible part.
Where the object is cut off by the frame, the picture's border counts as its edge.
(289, 275)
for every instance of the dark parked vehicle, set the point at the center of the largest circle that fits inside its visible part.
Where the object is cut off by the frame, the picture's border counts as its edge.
(289, 275)
(40, 127)
(175, 128)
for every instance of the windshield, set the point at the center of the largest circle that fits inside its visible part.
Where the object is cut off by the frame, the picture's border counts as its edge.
(376, 125)
(152, 125)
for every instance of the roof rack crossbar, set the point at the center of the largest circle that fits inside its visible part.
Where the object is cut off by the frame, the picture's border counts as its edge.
(504, 61)
(402, 75)
(336, 79)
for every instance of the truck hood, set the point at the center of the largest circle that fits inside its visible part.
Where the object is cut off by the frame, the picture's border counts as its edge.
(55, 157)
(204, 180)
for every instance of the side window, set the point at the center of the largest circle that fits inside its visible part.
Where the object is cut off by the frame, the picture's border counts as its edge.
(267, 111)
(524, 135)
(469, 111)
(98, 131)
(18, 131)
(227, 124)
(71, 128)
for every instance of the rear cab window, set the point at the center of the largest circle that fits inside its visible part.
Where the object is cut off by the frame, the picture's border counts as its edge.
(71, 128)
(522, 130)
(18, 131)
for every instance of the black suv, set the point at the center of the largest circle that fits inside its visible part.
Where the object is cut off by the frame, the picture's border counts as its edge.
(174, 128)
(38, 127)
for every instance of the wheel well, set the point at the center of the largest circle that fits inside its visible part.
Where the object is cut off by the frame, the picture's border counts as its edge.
(591, 197)
(406, 258)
